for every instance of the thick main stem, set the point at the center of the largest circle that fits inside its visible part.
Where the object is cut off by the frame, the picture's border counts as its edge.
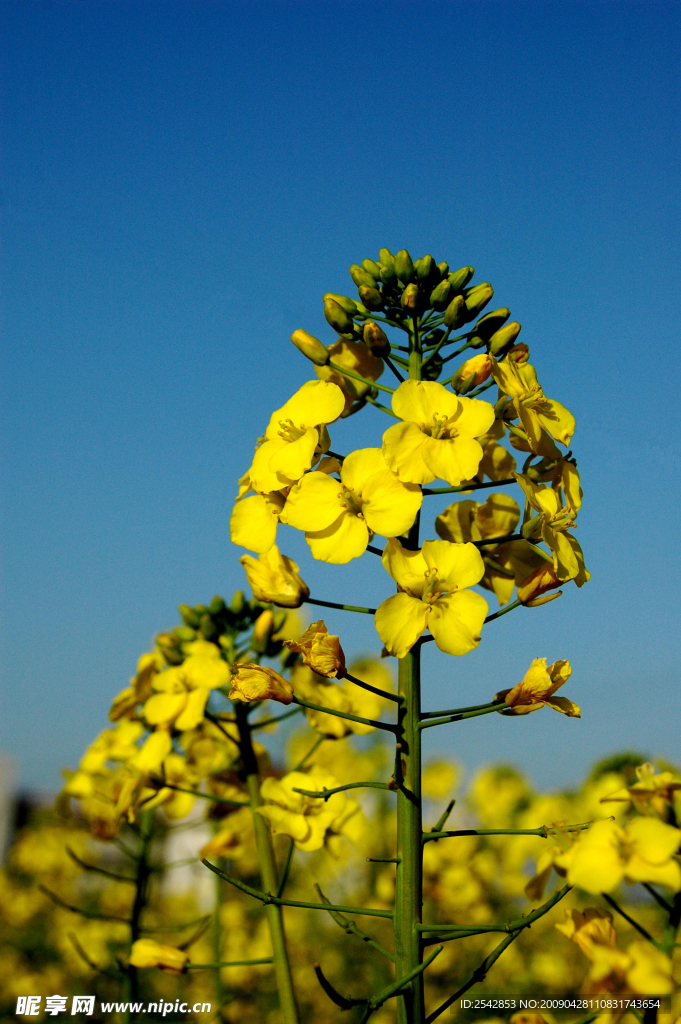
(268, 875)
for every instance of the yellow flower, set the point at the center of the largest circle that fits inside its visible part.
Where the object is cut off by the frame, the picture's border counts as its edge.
(182, 691)
(274, 577)
(506, 564)
(254, 520)
(541, 417)
(140, 686)
(642, 851)
(153, 752)
(340, 517)
(149, 953)
(349, 698)
(537, 688)
(321, 651)
(552, 523)
(539, 582)
(431, 584)
(309, 821)
(295, 433)
(352, 355)
(651, 794)
(589, 930)
(256, 682)
(437, 435)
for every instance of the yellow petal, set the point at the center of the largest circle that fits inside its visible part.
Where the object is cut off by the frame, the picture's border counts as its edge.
(400, 621)
(653, 839)
(419, 401)
(253, 523)
(314, 503)
(293, 459)
(473, 417)
(452, 459)
(457, 565)
(263, 478)
(498, 516)
(458, 522)
(388, 505)
(314, 403)
(153, 753)
(343, 540)
(456, 621)
(194, 709)
(557, 421)
(407, 568)
(275, 577)
(650, 973)
(149, 953)
(402, 451)
(359, 465)
(164, 707)
(565, 706)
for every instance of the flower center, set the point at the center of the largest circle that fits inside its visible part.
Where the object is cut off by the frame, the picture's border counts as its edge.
(434, 587)
(288, 431)
(351, 501)
(438, 428)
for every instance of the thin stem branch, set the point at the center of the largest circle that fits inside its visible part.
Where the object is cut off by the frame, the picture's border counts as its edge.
(315, 746)
(657, 897)
(229, 963)
(263, 723)
(343, 714)
(462, 716)
(96, 868)
(359, 377)
(383, 408)
(202, 796)
(458, 711)
(286, 868)
(340, 607)
(469, 487)
(374, 689)
(350, 928)
(543, 831)
(324, 793)
(504, 611)
(389, 363)
(634, 924)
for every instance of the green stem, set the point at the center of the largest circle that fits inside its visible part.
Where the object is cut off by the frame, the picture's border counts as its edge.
(441, 342)
(324, 794)
(317, 743)
(359, 377)
(497, 540)
(398, 986)
(340, 607)
(350, 928)
(634, 924)
(373, 689)
(389, 363)
(268, 873)
(141, 884)
(543, 831)
(504, 611)
(218, 987)
(343, 714)
(263, 723)
(286, 868)
(228, 963)
(671, 928)
(460, 717)
(469, 487)
(383, 408)
(162, 784)
(458, 711)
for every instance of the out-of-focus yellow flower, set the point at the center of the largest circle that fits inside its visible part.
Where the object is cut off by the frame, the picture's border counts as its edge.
(320, 650)
(153, 752)
(590, 930)
(642, 851)
(438, 779)
(432, 594)
(650, 971)
(256, 682)
(552, 525)
(437, 437)
(275, 577)
(182, 691)
(149, 953)
(340, 517)
(352, 355)
(651, 795)
(230, 840)
(346, 697)
(126, 701)
(537, 688)
(310, 821)
(506, 564)
(254, 520)
(295, 434)
(116, 744)
(541, 417)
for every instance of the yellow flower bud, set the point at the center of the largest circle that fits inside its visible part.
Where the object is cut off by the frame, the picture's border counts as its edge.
(262, 631)
(362, 277)
(460, 278)
(372, 268)
(519, 353)
(337, 317)
(344, 301)
(455, 315)
(424, 268)
(149, 953)
(541, 580)
(502, 339)
(371, 297)
(376, 340)
(255, 682)
(320, 651)
(477, 298)
(478, 368)
(543, 600)
(311, 347)
(274, 577)
(404, 267)
(410, 298)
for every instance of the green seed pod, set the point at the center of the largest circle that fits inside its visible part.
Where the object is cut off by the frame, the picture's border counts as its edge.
(372, 268)
(346, 303)
(311, 347)
(337, 318)
(376, 340)
(208, 627)
(404, 268)
(387, 259)
(441, 295)
(189, 616)
(185, 634)
(217, 605)
(361, 276)
(491, 322)
(371, 297)
(443, 268)
(410, 298)
(455, 315)
(460, 278)
(502, 340)
(424, 268)
(477, 298)
(238, 602)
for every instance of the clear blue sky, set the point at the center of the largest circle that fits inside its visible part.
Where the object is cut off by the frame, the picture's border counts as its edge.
(180, 184)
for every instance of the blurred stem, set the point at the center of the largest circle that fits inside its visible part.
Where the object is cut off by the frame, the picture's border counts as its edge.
(268, 872)
(131, 985)
(218, 987)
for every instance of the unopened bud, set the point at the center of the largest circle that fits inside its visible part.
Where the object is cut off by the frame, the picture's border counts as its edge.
(460, 278)
(189, 616)
(491, 322)
(376, 340)
(471, 373)
(410, 298)
(310, 347)
(477, 298)
(372, 268)
(361, 276)
(502, 340)
(539, 582)
(388, 275)
(263, 628)
(217, 605)
(404, 268)
(386, 258)
(519, 353)
(208, 627)
(238, 602)
(441, 295)
(443, 268)
(185, 634)
(337, 318)
(346, 303)
(371, 297)
(543, 600)
(455, 315)
(424, 268)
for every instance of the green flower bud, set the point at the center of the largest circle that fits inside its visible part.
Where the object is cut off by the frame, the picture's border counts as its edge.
(404, 268)
(217, 605)
(310, 347)
(372, 268)
(443, 268)
(189, 616)
(386, 258)
(200, 609)
(502, 340)
(349, 305)
(410, 298)
(455, 315)
(491, 322)
(440, 295)
(238, 603)
(337, 318)
(424, 268)
(477, 298)
(361, 276)
(185, 634)
(371, 297)
(376, 340)
(208, 627)
(462, 387)
(169, 646)
(388, 275)
(460, 278)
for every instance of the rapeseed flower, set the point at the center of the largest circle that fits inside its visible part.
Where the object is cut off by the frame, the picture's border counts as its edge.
(352, 355)
(606, 854)
(340, 517)
(541, 417)
(275, 578)
(537, 688)
(552, 523)
(432, 595)
(309, 821)
(651, 794)
(256, 682)
(149, 953)
(320, 651)
(437, 437)
(182, 691)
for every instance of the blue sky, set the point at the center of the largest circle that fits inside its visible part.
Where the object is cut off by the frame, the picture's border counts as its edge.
(181, 182)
